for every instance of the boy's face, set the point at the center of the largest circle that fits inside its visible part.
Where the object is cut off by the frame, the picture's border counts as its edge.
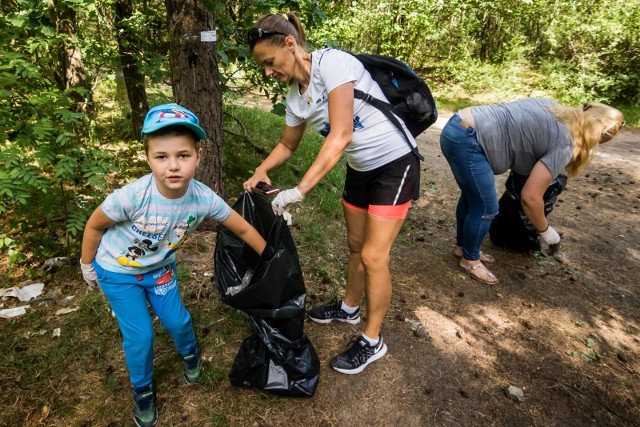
(173, 160)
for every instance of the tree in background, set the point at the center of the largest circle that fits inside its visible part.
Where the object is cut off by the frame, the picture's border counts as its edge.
(69, 70)
(579, 50)
(49, 165)
(56, 162)
(128, 44)
(195, 80)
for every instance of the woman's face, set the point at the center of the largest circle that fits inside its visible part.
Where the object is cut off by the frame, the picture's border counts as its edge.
(278, 61)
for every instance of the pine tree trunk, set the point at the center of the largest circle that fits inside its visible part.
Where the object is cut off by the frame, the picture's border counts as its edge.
(133, 78)
(196, 83)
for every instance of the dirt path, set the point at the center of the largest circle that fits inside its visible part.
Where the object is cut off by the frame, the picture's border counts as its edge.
(566, 333)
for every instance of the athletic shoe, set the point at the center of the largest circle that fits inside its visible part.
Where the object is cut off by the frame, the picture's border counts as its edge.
(327, 313)
(192, 367)
(358, 356)
(145, 413)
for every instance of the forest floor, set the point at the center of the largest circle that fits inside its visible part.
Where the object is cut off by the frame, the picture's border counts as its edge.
(565, 330)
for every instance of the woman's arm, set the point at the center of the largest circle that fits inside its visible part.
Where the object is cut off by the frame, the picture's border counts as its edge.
(532, 195)
(241, 228)
(281, 153)
(341, 123)
(94, 229)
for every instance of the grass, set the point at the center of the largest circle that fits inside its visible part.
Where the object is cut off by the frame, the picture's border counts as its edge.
(80, 377)
(476, 83)
(67, 380)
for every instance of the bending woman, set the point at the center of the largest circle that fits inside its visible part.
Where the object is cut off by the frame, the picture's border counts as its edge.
(535, 137)
(382, 173)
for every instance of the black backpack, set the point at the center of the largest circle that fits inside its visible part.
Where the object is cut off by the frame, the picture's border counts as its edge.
(409, 96)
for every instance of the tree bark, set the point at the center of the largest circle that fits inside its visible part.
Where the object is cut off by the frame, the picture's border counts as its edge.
(196, 83)
(133, 78)
(72, 73)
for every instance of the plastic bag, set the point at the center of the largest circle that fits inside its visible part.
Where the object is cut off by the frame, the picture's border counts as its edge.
(511, 229)
(278, 357)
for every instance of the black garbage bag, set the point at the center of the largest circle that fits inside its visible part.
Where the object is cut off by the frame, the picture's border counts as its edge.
(278, 357)
(511, 229)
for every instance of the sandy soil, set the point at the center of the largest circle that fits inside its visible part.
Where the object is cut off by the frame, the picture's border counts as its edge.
(565, 331)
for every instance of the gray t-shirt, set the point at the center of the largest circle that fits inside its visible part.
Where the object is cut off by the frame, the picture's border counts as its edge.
(516, 135)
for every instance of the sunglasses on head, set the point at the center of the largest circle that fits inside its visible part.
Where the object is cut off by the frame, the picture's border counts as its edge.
(256, 34)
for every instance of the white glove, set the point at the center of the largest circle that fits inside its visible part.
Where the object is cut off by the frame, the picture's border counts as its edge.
(89, 274)
(285, 198)
(550, 236)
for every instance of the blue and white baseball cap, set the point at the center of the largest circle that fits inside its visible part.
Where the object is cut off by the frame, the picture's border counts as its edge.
(164, 115)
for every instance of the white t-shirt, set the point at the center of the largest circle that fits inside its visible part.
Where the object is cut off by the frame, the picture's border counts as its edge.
(375, 141)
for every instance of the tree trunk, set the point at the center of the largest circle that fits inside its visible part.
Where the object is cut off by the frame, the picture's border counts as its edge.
(133, 79)
(70, 58)
(196, 83)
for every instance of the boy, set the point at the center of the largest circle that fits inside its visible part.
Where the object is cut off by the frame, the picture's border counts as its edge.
(130, 240)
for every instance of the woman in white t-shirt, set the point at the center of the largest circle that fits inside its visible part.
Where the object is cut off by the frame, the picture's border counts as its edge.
(382, 173)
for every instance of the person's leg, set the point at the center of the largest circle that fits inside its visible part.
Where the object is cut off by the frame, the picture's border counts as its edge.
(479, 189)
(129, 303)
(462, 210)
(164, 297)
(355, 220)
(348, 308)
(452, 144)
(380, 234)
(478, 203)
(167, 303)
(355, 204)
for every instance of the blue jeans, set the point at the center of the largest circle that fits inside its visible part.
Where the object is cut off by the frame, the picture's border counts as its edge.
(478, 203)
(128, 295)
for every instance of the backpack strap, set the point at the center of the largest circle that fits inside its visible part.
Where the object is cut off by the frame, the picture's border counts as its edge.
(387, 110)
(384, 107)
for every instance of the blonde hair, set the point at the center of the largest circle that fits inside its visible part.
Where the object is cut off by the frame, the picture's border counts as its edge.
(287, 23)
(592, 124)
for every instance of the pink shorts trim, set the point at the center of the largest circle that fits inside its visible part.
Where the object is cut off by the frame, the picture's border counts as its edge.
(394, 212)
(350, 206)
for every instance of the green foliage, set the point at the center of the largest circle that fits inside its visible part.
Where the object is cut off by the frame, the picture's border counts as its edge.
(590, 353)
(243, 152)
(57, 164)
(240, 74)
(50, 167)
(319, 217)
(585, 50)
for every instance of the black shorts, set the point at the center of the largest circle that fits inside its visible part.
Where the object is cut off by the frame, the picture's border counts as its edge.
(395, 183)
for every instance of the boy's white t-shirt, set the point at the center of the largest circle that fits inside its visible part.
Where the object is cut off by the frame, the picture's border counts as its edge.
(375, 141)
(149, 227)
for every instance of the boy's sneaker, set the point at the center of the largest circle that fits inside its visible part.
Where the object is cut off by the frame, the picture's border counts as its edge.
(145, 413)
(192, 367)
(358, 356)
(327, 313)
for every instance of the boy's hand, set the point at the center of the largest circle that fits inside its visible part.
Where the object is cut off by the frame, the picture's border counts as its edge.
(285, 198)
(89, 274)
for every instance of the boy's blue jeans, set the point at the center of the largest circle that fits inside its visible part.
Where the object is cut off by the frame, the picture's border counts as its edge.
(478, 202)
(128, 296)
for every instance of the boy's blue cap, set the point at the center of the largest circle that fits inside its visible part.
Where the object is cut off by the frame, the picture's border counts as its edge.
(164, 115)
